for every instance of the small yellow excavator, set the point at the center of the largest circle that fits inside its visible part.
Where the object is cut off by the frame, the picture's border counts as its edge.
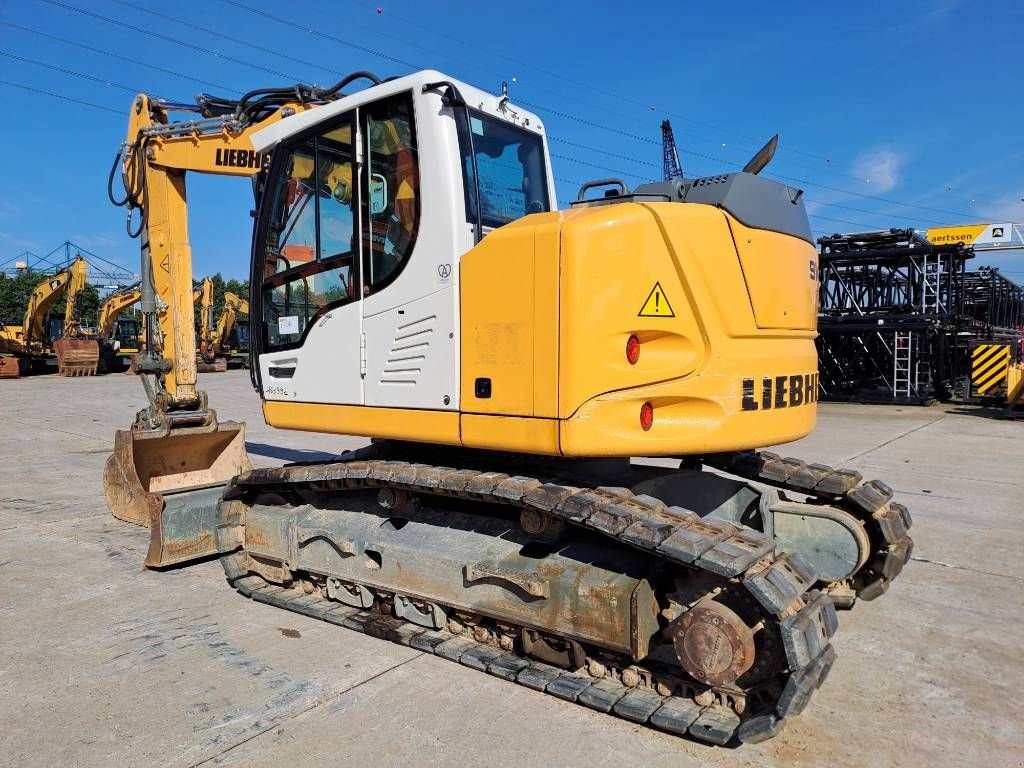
(411, 280)
(209, 360)
(118, 336)
(220, 345)
(215, 352)
(20, 344)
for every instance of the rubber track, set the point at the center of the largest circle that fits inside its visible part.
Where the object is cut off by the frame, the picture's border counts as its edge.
(887, 521)
(806, 620)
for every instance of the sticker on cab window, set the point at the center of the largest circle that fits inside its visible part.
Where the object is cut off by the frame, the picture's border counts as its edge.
(288, 324)
(477, 125)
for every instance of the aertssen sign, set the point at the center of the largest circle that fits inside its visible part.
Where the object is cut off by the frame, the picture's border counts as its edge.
(972, 234)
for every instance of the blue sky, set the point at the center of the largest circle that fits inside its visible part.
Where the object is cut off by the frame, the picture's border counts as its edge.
(889, 113)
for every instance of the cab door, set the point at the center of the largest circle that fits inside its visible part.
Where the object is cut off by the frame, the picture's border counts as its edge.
(410, 263)
(307, 269)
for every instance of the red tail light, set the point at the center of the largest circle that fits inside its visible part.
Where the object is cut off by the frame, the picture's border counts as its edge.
(633, 350)
(646, 416)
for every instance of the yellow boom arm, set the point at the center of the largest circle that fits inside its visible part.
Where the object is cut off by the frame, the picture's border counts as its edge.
(79, 275)
(176, 443)
(159, 156)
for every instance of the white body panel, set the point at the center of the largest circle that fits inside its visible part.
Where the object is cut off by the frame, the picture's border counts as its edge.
(411, 327)
(326, 366)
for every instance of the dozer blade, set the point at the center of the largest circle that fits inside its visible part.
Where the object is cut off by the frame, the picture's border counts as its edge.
(77, 357)
(171, 482)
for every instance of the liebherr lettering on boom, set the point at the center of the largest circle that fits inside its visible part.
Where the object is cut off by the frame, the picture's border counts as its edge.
(412, 282)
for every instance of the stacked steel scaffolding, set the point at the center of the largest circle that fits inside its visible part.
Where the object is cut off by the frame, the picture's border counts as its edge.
(898, 314)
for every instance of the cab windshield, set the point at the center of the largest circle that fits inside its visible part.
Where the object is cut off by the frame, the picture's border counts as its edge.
(510, 165)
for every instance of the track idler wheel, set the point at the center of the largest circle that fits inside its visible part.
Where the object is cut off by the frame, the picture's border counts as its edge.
(713, 644)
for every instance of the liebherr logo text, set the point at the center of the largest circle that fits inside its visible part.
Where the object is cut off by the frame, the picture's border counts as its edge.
(240, 158)
(769, 392)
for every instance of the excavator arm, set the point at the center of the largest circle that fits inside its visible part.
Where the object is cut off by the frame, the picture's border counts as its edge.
(206, 325)
(79, 276)
(177, 456)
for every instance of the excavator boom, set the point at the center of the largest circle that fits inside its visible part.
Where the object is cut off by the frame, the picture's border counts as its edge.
(177, 455)
(76, 354)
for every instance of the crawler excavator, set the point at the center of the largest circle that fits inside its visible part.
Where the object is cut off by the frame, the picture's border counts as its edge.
(78, 353)
(207, 360)
(219, 343)
(20, 345)
(118, 337)
(121, 337)
(413, 282)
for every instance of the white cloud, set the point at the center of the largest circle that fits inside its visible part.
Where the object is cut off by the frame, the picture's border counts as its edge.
(879, 168)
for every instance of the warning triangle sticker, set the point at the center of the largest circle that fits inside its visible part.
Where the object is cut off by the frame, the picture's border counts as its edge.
(657, 304)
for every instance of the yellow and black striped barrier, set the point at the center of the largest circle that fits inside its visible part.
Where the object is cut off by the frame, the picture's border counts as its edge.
(989, 365)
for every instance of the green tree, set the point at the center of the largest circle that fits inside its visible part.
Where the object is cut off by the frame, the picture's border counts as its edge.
(15, 292)
(87, 306)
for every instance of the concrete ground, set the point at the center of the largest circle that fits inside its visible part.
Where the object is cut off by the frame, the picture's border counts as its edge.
(104, 663)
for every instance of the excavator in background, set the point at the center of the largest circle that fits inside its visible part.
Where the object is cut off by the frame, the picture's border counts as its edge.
(20, 345)
(118, 336)
(124, 337)
(227, 323)
(215, 351)
(412, 281)
(207, 360)
(78, 352)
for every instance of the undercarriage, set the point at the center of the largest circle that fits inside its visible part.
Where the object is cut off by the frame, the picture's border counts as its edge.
(696, 602)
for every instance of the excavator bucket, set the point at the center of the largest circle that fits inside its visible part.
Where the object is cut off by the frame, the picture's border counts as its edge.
(171, 483)
(10, 367)
(77, 357)
(217, 365)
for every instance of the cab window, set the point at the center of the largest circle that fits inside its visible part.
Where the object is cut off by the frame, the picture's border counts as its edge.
(510, 168)
(308, 252)
(391, 204)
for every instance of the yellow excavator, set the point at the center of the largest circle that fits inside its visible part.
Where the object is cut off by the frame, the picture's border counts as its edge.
(234, 305)
(118, 337)
(215, 351)
(20, 344)
(412, 281)
(78, 352)
(207, 360)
